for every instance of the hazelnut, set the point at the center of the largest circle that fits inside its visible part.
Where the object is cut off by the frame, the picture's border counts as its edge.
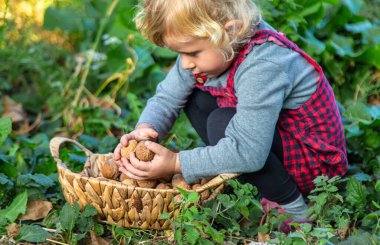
(163, 186)
(143, 153)
(179, 181)
(130, 182)
(147, 183)
(125, 151)
(109, 169)
(139, 148)
(127, 181)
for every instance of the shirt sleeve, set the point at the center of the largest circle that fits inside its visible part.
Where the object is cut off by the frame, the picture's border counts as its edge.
(260, 88)
(171, 95)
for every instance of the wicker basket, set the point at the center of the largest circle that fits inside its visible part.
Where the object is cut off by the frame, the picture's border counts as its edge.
(117, 203)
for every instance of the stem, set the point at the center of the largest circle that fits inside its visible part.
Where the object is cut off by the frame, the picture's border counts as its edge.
(4, 21)
(57, 242)
(103, 24)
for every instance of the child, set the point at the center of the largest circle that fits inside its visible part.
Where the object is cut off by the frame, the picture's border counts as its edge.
(262, 105)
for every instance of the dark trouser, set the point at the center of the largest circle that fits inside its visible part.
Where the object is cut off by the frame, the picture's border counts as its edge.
(210, 122)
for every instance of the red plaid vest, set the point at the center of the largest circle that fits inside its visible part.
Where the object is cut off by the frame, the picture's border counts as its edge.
(312, 135)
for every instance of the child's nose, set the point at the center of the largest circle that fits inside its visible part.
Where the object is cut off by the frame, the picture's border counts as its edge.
(187, 64)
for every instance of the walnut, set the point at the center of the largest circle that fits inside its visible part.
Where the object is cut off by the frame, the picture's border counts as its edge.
(179, 181)
(108, 169)
(150, 183)
(125, 151)
(143, 153)
(139, 148)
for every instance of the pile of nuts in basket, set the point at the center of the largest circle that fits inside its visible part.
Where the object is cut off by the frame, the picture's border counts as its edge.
(108, 169)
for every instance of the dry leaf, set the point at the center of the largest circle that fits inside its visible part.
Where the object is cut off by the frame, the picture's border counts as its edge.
(37, 209)
(19, 117)
(13, 229)
(13, 110)
(263, 237)
(95, 240)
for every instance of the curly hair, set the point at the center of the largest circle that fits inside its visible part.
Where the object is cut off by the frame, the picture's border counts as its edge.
(207, 19)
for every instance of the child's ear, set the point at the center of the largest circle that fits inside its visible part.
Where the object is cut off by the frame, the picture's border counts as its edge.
(233, 26)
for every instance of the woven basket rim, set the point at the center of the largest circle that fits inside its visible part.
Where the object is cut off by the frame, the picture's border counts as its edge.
(56, 142)
(64, 168)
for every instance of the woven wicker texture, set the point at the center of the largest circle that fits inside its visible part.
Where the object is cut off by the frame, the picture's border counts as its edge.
(118, 203)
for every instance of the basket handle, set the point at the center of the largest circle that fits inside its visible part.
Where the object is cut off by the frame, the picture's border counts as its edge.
(216, 181)
(56, 142)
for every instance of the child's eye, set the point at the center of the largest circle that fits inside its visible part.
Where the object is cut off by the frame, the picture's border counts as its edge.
(192, 54)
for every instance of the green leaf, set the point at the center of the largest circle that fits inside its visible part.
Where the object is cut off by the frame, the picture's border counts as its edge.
(5, 128)
(5, 182)
(312, 9)
(315, 44)
(33, 233)
(17, 207)
(357, 112)
(164, 53)
(178, 235)
(89, 211)
(98, 229)
(65, 19)
(263, 229)
(342, 45)
(193, 197)
(359, 27)
(359, 238)
(362, 177)
(371, 56)
(353, 5)
(164, 216)
(377, 186)
(192, 235)
(356, 193)
(306, 227)
(370, 219)
(68, 216)
(216, 235)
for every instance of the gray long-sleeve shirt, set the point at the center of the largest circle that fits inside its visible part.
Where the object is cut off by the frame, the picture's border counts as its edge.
(271, 78)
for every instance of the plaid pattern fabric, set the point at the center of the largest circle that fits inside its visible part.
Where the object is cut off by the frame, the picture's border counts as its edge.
(312, 135)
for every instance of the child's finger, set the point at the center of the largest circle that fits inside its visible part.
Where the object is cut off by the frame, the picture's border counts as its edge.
(116, 153)
(148, 133)
(143, 166)
(152, 133)
(156, 148)
(130, 175)
(125, 138)
(136, 172)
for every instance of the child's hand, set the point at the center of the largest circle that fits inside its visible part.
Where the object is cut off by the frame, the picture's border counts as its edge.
(164, 163)
(142, 132)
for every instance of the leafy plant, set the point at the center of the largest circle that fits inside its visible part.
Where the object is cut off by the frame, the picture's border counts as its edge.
(220, 219)
(73, 225)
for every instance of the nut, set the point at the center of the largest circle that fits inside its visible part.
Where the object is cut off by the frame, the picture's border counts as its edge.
(139, 148)
(147, 183)
(109, 169)
(179, 181)
(125, 151)
(163, 186)
(143, 153)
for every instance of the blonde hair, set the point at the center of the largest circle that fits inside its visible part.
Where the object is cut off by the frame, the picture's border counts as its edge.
(157, 19)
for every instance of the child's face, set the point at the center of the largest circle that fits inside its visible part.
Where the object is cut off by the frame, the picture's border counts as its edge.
(198, 55)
